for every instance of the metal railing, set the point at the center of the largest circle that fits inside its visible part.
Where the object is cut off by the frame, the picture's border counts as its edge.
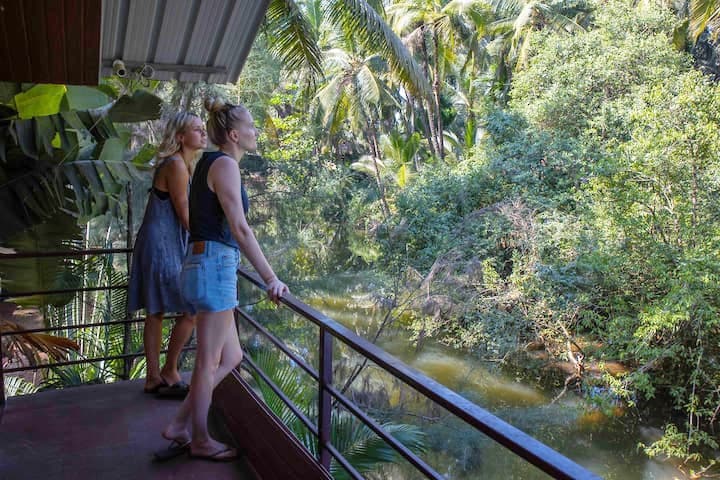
(518, 442)
(126, 356)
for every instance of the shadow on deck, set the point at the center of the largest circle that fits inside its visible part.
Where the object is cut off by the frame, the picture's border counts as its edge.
(97, 431)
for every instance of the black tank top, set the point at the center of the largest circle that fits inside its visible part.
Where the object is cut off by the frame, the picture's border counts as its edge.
(207, 219)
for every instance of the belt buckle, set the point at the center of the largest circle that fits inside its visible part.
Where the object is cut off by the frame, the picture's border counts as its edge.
(198, 247)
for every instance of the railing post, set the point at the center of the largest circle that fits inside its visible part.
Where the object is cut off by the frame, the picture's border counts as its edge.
(324, 398)
(2, 379)
(127, 362)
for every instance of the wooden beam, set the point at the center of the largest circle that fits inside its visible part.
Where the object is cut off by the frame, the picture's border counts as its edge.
(270, 447)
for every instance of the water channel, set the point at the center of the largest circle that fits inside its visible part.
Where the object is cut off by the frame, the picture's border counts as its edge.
(606, 445)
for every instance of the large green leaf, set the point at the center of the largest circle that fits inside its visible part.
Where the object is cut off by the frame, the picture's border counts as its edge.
(144, 155)
(44, 132)
(86, 98)
(140, 107)
(8, 90)
(68, 138)
(292, 37)
(40, 100)
(113, 150)
(24, 131)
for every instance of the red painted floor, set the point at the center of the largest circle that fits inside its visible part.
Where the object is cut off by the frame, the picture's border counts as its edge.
(96, 432)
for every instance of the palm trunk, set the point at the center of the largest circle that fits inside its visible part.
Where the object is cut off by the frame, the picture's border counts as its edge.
(371, 135)
(436, 97)
(429, 108)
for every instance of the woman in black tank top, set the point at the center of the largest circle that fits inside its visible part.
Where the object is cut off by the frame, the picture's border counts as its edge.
(218, 228)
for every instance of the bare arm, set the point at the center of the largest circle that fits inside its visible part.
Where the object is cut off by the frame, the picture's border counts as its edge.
(224, 180)
(176, 179)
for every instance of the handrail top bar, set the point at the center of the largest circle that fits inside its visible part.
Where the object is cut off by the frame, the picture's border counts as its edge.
(511, 437)
(64, 253)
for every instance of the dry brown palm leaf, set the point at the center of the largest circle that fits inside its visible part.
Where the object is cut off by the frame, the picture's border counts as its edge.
(53, 346)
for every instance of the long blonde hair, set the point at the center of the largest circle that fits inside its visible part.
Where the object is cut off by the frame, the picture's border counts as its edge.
(222, 117)
(169, 146)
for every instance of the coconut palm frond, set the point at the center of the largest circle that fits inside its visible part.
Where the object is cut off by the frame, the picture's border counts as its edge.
(558, 20)
(369, 86)
(369, 27)
(364, 449)
(366, 165)
(703, 14)
(287, 379)
(292, 37)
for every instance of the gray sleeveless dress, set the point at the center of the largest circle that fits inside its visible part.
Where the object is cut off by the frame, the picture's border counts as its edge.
(157, 260)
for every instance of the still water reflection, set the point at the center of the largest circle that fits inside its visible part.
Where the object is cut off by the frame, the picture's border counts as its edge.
(607, 446)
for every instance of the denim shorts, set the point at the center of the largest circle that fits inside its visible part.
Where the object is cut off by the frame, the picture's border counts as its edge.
(209, 276)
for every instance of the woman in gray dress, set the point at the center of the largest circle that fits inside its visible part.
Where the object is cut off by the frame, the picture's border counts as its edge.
(159, 250)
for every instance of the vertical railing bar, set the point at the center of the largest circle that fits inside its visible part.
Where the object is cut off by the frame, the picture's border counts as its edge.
(2, 378)
(127, 363)
(324, 398)
(344, 463)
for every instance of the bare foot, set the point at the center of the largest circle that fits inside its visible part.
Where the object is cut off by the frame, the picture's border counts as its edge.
(212, 449)
(171, 377)
(179, 434)
(152, 384)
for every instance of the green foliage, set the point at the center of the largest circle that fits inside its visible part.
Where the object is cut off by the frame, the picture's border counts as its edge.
(686, 448)
(53, 151)
(18, 386)
(588, 210)
(356, 442)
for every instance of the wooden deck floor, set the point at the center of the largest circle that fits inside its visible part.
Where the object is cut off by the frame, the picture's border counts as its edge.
(96, 432)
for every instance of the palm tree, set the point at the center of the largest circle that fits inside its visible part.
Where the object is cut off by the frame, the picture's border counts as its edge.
(446, 36)
(292, 30)
(354, 95)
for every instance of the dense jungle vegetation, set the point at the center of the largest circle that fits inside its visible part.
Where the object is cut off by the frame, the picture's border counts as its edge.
(525, 175)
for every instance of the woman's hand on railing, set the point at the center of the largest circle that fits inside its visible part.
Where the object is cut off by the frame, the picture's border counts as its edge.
(276, 289)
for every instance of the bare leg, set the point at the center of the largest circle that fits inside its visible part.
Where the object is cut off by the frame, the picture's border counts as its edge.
(181, 332)
(152, 340)
(218, 353)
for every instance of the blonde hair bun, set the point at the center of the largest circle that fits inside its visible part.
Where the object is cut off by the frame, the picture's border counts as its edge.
(214, 104)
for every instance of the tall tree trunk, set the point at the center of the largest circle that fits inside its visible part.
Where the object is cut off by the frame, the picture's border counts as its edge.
(371, 135)
(436, 96)
(427, 103)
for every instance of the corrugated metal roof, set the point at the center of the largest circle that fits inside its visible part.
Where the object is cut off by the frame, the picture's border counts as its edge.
(188, 40)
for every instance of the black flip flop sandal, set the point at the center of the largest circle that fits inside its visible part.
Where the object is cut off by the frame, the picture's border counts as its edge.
(177, 390)
(175, 449)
